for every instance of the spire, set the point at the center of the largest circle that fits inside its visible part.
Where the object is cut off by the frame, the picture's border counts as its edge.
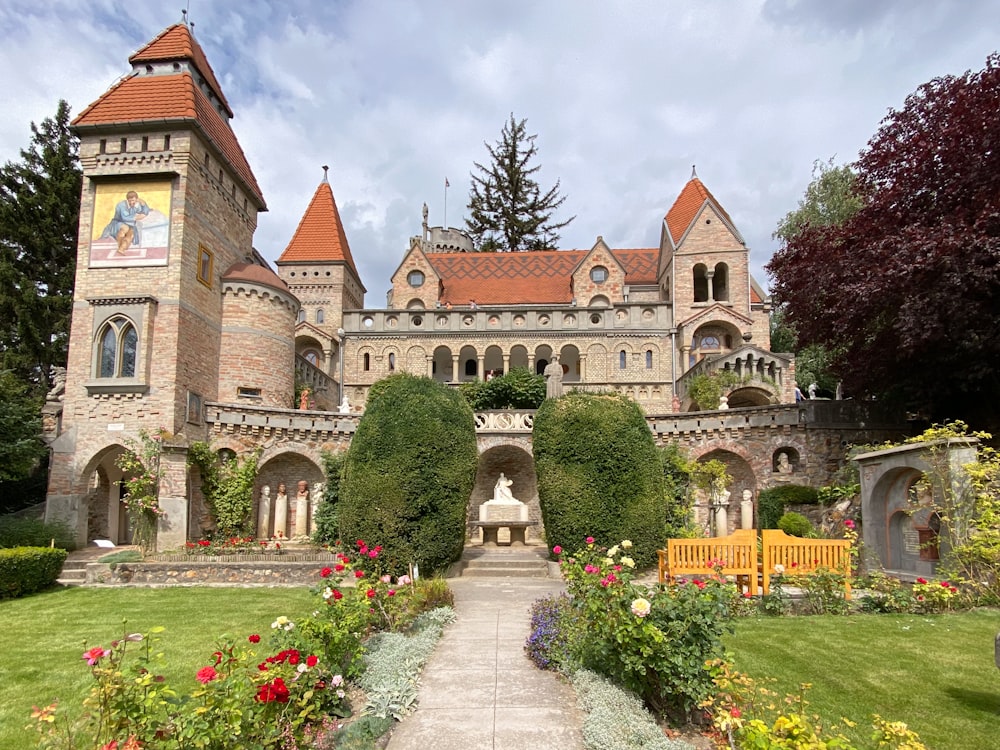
(326, 176)
(694, 172)
(688, 206)
(320, 236)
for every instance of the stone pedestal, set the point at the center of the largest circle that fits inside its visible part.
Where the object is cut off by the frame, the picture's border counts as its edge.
(171, 529)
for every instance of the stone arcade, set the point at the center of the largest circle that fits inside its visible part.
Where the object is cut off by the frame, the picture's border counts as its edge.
(179, 325)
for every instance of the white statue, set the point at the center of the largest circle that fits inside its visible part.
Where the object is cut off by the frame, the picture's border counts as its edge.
(302, 509)
(345, 406)
(553, 378)
(746, 510)
(314, 500)
(501, 490)
(264, 513)
(281, 512)
(723, 402)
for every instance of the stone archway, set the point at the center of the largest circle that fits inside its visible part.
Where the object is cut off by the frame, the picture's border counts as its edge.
(286, 468)
(518, 465)
(743, 478)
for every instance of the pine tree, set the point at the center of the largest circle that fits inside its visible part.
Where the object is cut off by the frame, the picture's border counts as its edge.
(39, 217)
(509, 211)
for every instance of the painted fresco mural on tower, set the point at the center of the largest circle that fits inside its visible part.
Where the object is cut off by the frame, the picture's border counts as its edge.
(131, 224)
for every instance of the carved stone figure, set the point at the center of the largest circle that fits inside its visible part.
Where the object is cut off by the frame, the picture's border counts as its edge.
(746, 510)
(315, 498)
(302, 509)
(264, 513)
(502, 492)
(784, 465)
(281, 511)
(723, 402)
(553, 378)
(58, 384)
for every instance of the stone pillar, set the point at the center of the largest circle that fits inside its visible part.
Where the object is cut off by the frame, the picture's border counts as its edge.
(685, 357)
(171, 531)
(454, 368)
(481, 366)
(430, 367)
(302, 509)
(709, 275)
(531, 363)
(583, 368)
(506, 363)
(264, 514)
(281, 512)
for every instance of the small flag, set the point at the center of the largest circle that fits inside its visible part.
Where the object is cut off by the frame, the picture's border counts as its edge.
(446, 183)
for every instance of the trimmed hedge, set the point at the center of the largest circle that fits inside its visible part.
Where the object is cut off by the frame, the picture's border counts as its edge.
(409, 473)
(795, 524)
(34, 532)
(771, 502)
(599, 474)
(25, 570)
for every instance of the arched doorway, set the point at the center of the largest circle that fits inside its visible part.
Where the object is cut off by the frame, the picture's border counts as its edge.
(518, 466)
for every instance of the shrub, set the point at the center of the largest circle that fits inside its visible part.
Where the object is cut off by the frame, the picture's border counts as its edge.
(795, 524)
(228, 489)
(327, 531)
(885, 595)
(772, 501)
(599, 473)
(518, 389)
(677, 471)
(25, 570)
(409, 473)
(654, 642)
(34, 532)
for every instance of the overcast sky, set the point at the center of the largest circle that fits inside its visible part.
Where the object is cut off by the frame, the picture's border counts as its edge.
(624, 96)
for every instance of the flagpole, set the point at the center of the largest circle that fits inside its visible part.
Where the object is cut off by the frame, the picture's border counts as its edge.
(446, 186)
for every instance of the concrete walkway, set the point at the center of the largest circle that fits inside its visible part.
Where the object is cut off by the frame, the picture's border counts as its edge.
(479, 690)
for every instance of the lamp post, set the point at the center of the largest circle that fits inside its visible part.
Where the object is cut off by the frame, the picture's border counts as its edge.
(342, 334)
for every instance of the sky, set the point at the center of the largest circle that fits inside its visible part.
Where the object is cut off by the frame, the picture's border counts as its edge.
(624, 97)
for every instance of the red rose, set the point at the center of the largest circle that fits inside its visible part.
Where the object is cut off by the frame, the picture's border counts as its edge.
(254, 638)
(312, 661)
(359, 574)
(922, 581)
(370, 593)
(391, 592)
(339, 567)
(325, 573)
(206, 675)
(337, 595)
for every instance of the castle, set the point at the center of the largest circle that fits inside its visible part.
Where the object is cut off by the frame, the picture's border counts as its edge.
(180, 325)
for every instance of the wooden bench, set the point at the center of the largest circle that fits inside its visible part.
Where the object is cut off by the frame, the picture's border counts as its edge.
(803, 556)
(491, 531)
(737, 552)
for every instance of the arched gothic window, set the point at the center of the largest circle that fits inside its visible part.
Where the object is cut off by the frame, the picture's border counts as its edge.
(392, 362)
(320, 316)
(119, 343)
(649, 359)
(621, 359)
(367, 362)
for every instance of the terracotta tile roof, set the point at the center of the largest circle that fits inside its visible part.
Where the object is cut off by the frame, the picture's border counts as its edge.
(256, 274)
(526, 278)
(177, 43)
(686, 207)
(164, 99)
(320, 235)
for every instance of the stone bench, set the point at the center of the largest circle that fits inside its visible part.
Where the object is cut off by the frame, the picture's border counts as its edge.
(491, 531)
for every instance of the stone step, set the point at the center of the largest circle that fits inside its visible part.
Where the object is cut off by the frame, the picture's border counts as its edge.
(505, 571)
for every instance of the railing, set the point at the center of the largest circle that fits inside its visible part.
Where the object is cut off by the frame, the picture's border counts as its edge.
(504, 421)
(323, 387)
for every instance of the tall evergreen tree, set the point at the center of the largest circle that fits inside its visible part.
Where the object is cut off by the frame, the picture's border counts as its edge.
(39, 217)
(508, 210)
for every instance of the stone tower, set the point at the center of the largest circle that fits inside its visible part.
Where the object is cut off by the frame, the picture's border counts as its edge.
(169, 206)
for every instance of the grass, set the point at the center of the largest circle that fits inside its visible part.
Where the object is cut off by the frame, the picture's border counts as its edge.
(45, 635)
(936, 673)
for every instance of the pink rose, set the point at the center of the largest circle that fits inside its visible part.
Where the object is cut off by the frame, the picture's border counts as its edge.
(557, 550)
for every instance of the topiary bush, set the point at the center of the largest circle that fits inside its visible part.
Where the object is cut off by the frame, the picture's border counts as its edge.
(795, 524)
(771, 502)
(599, 474)
(409, 473)
(25, 570)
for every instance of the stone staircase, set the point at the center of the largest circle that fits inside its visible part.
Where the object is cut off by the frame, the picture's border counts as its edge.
(74, 572)
(503, 562)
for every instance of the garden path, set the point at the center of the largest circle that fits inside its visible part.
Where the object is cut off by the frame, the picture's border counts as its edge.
(479, 690)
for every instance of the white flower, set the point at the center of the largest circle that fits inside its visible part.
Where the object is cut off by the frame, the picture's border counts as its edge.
(302, 667)
(626, 544)
(608, 561)
(628, 562)
(779, 569)
(327, 592)
(341, 693)
(640, 607)
(282, 622)
(613, 551)
(337, 680)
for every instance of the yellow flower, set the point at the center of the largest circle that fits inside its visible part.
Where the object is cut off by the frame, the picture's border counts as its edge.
(626, 544)
(628, 562)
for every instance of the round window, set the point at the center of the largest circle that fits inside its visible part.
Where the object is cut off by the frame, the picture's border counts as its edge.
(598, 274)
(415, 278)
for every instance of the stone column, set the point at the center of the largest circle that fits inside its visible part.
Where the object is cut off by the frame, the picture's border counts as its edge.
(454, 368)
(531, 362)
(264, 514)
(172, 526)
(430, 367)
(711, 286)
(481, 366)
(506, 363)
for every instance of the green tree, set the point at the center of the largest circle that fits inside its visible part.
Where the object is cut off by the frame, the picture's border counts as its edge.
(518, 389)
(677, 470)
(409, 473)
(39, 216)
(599, 474)
(508, 210)
(227, 487)
(21, 446)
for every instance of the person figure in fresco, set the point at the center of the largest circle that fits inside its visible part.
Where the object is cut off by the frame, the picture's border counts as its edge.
(126, 225)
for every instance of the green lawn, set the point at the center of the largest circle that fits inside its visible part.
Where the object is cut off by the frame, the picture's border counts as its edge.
(936, 673)
(44, 636)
